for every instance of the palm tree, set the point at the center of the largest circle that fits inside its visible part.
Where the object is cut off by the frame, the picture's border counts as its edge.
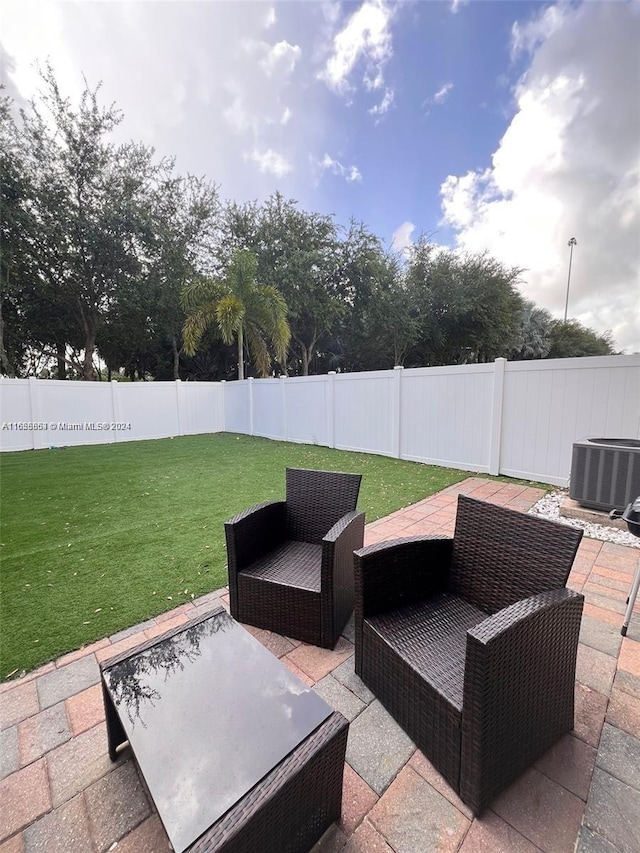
(240, 308)
(533, 337)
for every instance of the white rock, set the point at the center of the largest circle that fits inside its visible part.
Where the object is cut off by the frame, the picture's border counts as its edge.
(549, 507)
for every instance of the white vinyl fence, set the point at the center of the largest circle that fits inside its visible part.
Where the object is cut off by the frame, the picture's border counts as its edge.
(39, 413)
(514, 418)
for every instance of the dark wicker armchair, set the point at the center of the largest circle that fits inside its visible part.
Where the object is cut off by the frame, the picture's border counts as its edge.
(471, 642)
(291, 562)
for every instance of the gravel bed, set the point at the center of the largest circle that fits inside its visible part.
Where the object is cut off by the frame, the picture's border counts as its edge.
(549, 507)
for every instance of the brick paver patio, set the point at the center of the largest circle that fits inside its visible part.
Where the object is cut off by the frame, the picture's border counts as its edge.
(61, 794)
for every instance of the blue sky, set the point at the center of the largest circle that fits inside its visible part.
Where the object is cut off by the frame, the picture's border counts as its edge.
(505, 126)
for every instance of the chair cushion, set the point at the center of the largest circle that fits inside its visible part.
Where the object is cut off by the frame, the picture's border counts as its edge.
(431, 636)
(292, 564)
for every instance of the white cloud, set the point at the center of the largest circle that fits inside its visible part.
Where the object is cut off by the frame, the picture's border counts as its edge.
(350, 173)
(270, 162)
(205, 97)
(526, 37)
(566, 166)
(331, 11)
(33, 32)
(455, 5)
(401, 238)
(381, 108)
(364, 40)
(442, 94)
(270, 18)
(237, 116)
(280, 57)
(438, 98)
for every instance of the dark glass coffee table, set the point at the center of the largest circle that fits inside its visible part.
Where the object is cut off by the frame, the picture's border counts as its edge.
(236, 752)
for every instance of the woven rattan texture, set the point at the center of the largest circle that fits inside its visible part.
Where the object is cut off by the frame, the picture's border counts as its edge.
(403, 571)
(431, 722)
(285, 609)
(518, 673)
(249, 536)
(338, 546)
(291, 564)
(292, 806)
(519, 690)
(431, 636)
(316, 500)
(303, 589)
(501, 556)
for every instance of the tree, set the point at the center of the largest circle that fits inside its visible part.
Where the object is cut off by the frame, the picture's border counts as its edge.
(12, 225)
(298, 253)
(469, 305)
(240, 308)
(398, 321)
(185, 220)
(573, 340)
(380, 324)
(97, 239)
(87, 228)
(147, 317)
(533, 336)
(240, 230)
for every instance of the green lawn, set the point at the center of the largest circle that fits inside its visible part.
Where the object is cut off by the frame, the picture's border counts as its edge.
(95, 539)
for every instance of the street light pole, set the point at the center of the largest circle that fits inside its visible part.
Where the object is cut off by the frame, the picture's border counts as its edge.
(572, 242)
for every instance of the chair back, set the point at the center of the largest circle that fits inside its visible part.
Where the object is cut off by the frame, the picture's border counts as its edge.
(316, 500)
(501, 556)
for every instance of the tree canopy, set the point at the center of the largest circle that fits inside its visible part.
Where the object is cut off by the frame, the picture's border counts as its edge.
(100, 237)
(112, 264)
(572, 340)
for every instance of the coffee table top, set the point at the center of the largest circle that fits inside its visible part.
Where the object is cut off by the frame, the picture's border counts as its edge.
(208, 713)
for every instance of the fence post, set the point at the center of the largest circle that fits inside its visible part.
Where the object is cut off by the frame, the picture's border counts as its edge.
(34, 403)
(223, 383)
(178, 385)
(331, 421)
(283, 394)
(496, 415)
(396, 411)
(114, 409)
(251, 405)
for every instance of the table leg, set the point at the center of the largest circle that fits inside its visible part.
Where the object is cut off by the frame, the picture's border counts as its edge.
(115, 731)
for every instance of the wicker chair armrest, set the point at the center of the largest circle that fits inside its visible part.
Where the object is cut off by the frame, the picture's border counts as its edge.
(519, 617)
(400, 571)
(345, 537)
(519, 685)
(254, 532)
(337, 585)
(343, 528)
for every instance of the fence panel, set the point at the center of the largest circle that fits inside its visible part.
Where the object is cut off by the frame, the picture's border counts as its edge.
(446, 416)
(149, 408)
(308, 409)
(16, 414)
(77, 413)
(515, 418)
(81, 412)
(201, 407)
(237, 417)
(363, 412)
(550, 404)
(268, 408)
